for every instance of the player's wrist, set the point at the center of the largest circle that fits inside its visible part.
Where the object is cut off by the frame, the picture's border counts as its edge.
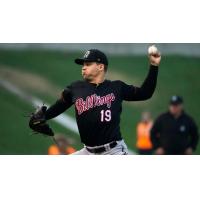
(153, 65)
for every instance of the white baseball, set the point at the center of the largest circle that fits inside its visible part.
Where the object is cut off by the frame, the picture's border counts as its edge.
(152, 50)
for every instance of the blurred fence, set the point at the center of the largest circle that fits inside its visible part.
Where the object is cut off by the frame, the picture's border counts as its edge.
(110, 48)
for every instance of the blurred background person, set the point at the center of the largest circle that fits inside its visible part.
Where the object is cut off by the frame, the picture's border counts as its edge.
(63, 148)
(174, 132)
(143, 142)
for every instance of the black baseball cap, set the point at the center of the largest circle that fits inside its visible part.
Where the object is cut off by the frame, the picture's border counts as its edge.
(176, 100)
(92, 55)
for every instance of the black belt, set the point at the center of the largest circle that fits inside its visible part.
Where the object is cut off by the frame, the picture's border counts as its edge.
(102, 149)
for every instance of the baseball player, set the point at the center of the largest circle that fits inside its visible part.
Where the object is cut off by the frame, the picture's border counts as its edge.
(98, 104)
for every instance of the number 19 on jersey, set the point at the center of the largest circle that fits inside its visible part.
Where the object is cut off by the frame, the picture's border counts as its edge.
(105, 115)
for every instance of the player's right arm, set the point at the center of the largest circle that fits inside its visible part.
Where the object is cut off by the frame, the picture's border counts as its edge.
(146, 90)
(62, 104)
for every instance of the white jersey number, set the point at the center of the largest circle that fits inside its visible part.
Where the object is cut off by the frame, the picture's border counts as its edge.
(105, 115)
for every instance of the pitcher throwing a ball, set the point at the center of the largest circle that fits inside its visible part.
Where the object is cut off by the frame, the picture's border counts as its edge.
(98, 103)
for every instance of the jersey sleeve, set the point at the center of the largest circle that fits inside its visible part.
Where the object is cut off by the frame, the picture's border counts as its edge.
(62, 104)
(133, 93)
(66, 95)
(127, 91)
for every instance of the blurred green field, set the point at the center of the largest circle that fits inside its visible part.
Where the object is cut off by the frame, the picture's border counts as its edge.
(177, 75)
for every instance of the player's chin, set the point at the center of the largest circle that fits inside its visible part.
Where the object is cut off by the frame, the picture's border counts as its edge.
(86, 77)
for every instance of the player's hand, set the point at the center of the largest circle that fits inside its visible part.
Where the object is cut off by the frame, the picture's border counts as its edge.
(154, 55)
(37, 122)
(188, 151)
(160, 151)
(155, 59)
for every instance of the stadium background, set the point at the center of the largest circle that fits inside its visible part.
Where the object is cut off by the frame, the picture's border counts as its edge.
(43, 70)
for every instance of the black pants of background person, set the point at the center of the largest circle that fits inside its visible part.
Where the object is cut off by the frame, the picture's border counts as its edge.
(145, 151)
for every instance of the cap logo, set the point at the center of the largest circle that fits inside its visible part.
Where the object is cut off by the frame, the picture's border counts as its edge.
(174, 98)
(86, 54)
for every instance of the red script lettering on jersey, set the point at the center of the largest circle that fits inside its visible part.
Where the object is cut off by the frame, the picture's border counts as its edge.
(93, 101)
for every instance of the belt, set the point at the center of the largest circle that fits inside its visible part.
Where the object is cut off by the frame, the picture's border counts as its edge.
(103, 148)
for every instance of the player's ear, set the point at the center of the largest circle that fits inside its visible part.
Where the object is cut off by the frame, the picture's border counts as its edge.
(101, 67)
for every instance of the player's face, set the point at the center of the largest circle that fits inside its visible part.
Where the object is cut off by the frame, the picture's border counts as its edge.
(91, 70)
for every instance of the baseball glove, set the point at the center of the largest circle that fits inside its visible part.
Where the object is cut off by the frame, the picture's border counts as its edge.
(38, 123)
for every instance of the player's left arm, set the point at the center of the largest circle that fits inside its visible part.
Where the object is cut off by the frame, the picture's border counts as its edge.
(62, 104)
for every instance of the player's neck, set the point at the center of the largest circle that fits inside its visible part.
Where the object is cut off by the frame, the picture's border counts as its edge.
(98, 80)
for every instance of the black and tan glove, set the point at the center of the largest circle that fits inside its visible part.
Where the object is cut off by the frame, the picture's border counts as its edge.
(38, 123)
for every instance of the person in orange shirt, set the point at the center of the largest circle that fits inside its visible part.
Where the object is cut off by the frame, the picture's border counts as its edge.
(144, 144)
(63, 147)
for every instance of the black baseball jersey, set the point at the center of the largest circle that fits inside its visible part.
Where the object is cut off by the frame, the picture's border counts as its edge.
(174, 134)
(98, 107)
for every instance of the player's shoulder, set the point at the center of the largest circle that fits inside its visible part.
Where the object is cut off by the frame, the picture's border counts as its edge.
(78, 83)
(116, 82)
